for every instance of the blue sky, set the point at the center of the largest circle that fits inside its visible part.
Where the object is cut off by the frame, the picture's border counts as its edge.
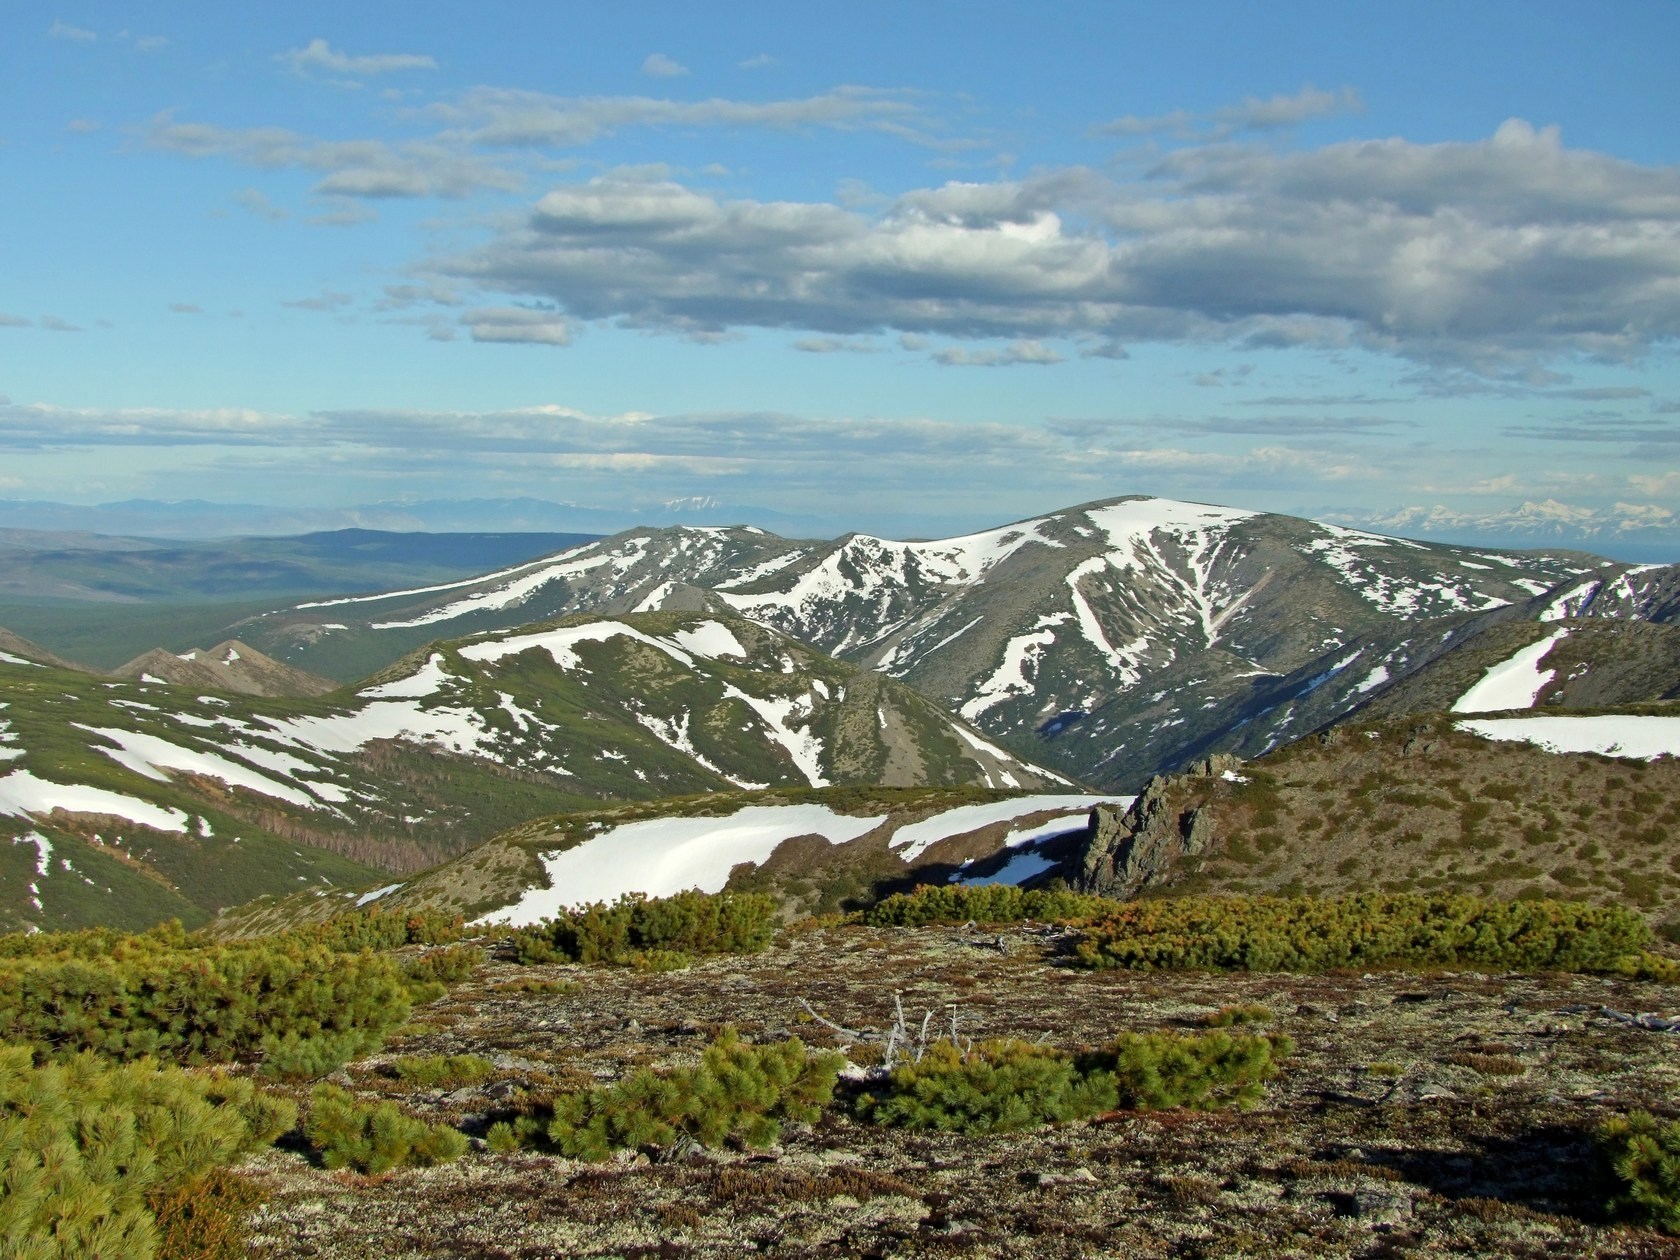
(907, 268)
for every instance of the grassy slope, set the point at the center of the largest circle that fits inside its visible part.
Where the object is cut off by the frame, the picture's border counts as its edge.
(1412, 804)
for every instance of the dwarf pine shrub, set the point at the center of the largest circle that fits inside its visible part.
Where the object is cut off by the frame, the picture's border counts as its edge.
(737, 1091)
(375, 1137)
(446, 966)
(1000, 1086)
(689, 923)
(89, 1150)
(293, 1058)
(1365, 930)
(449, 1071)
(384, 929)
(982, 903)
(196, 1002)
(1643, 1154)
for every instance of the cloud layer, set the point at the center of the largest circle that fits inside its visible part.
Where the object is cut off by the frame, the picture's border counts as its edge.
(1478, 254)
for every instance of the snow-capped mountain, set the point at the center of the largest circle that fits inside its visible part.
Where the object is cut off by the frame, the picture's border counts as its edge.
(130, 800)
(1108, 641)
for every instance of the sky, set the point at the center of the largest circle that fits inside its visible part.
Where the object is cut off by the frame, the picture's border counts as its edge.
(911, 269)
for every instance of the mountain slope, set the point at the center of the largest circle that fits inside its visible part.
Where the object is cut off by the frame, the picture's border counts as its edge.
(1109, 641)
(231, 666)
(811, 849)
(206, 800)
(1430, 803)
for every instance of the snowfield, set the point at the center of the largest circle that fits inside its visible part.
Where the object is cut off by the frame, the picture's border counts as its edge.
(663, 856)
(1615, 735)
(1512, 684)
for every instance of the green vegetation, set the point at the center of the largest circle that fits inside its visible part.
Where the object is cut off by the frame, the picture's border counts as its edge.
(443, 1071)
(1643, 1154)
(981, 903)
(300, 1000)
(375, 1137)
(91, 1153)
(738, 1091)
(1369, 930)
(1005, 1085)
(650, 932)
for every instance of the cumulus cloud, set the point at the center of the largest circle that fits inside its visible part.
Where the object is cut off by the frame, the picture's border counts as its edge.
(327, 300)
(1480, 257)
(256, 202)
(1252, 114)
(318, 55)
(517, 325)
(351, 168)
(515, 117)
(1005, 356)
(662, 67)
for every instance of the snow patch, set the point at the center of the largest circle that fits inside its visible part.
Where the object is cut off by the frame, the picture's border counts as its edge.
(912, 841)
(663, 856)
(21, 794)
(1512, 684)
(710, 639)
(368, 898)
(1617, 735)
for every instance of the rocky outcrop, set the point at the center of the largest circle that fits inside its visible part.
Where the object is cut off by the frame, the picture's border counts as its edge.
(1145, 844)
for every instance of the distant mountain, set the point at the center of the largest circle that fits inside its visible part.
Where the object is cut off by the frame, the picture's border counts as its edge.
(1633, 531)
(811, 850)
(197, 520)
(1109, 641)
(231, 666)
(17, 650)
(167, 801)
(99, 568)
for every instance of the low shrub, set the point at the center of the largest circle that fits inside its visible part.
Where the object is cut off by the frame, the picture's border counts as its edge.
(1366, 930)
(1238, 1013)
(92, 1152)
(446, 1071)
(1000, 1086)
(1643, 1155)
(375, 1137)
(384, 929)
(737, 1091)
(690, 923)
(982, 903)
(196, 1002)
(446, 966)
(293, 1058)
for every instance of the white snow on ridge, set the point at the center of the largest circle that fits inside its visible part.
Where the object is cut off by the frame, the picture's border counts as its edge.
(559, 643)
(912, 841)
(522, 588)
(710, 639)
(370, 897)
(1615, 735)
(662, 856)
(430, 590)
(803, 746)
(1135, 519)
(425, 681)
(6, 658)
(148, 755)
(1010, 677)
(22, 794)
(1512, 684)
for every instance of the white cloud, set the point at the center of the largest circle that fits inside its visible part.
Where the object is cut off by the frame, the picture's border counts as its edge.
(319, 55)
(1014, 352)
(662, 67)
(760, 62)
(76, 34)
(81, 126)
(1488, 255)
(518, 325)
(1252, 114)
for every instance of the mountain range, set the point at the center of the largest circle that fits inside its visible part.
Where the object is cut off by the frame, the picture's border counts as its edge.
(339, 741)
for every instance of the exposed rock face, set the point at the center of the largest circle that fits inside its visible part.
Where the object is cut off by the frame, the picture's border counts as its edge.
(1143, 846)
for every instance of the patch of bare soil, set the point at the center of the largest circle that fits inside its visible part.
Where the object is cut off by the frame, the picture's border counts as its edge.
(1444, 1113)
